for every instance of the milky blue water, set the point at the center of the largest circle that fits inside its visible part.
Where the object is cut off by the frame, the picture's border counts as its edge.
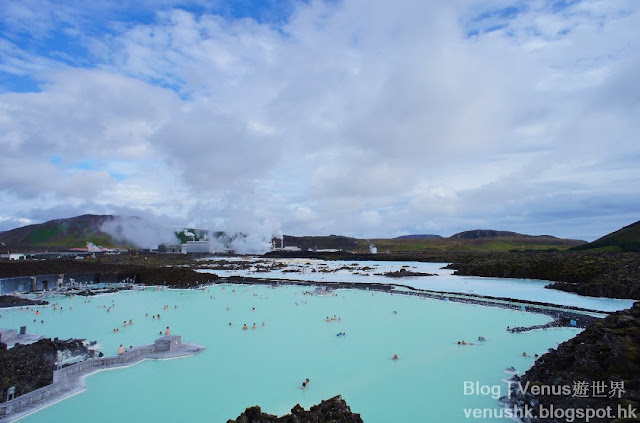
(267, 365)
(524, 289)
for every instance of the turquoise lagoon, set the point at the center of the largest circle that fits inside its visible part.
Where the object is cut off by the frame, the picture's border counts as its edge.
(267, 365)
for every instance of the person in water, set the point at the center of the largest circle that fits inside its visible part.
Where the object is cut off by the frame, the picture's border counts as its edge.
(395, 357)
(245, 327)
(168, 331)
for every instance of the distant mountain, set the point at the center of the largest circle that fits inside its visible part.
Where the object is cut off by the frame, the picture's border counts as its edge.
(418, 236)
(486, 233)
(625, 239)
(63, 233)
(130, 232)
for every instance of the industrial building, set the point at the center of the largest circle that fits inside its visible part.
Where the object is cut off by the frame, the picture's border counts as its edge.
(196, 247)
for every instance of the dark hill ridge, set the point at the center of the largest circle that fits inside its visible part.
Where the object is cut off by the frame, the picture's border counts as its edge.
(491, 233)
(68, 233)
(337, 242)
(78, 231)
(418, 236)
(625, 239)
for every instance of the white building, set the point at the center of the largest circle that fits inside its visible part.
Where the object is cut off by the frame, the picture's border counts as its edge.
(196, 247)
(12, 256)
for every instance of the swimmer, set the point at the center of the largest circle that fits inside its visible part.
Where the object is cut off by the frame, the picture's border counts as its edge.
(120, 350)
(395, 357)
(524, 354)
(304, 385)
(168, 331)
(254, 326)
(130, 322)
(245, 327)
(124, 325)
(229, 323)
(263, 325)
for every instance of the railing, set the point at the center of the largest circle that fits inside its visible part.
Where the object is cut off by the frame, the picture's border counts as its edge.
(119, 360)
(61, 377)
(31, 398)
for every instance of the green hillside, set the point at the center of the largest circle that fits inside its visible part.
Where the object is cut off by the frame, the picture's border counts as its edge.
(73, 232)
(625, 239)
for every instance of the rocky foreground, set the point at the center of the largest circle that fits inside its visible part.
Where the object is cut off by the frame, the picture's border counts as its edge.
(598, 370)
(334, 410)
(29, 367)
(612, 275)
(13, 301)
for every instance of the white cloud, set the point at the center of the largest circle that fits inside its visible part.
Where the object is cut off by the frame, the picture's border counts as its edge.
(346, 117)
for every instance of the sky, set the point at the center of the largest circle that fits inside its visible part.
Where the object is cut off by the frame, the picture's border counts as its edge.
(353, 117)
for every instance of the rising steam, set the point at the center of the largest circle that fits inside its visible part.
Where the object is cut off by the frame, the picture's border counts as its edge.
(141, 232)
(147, 232)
